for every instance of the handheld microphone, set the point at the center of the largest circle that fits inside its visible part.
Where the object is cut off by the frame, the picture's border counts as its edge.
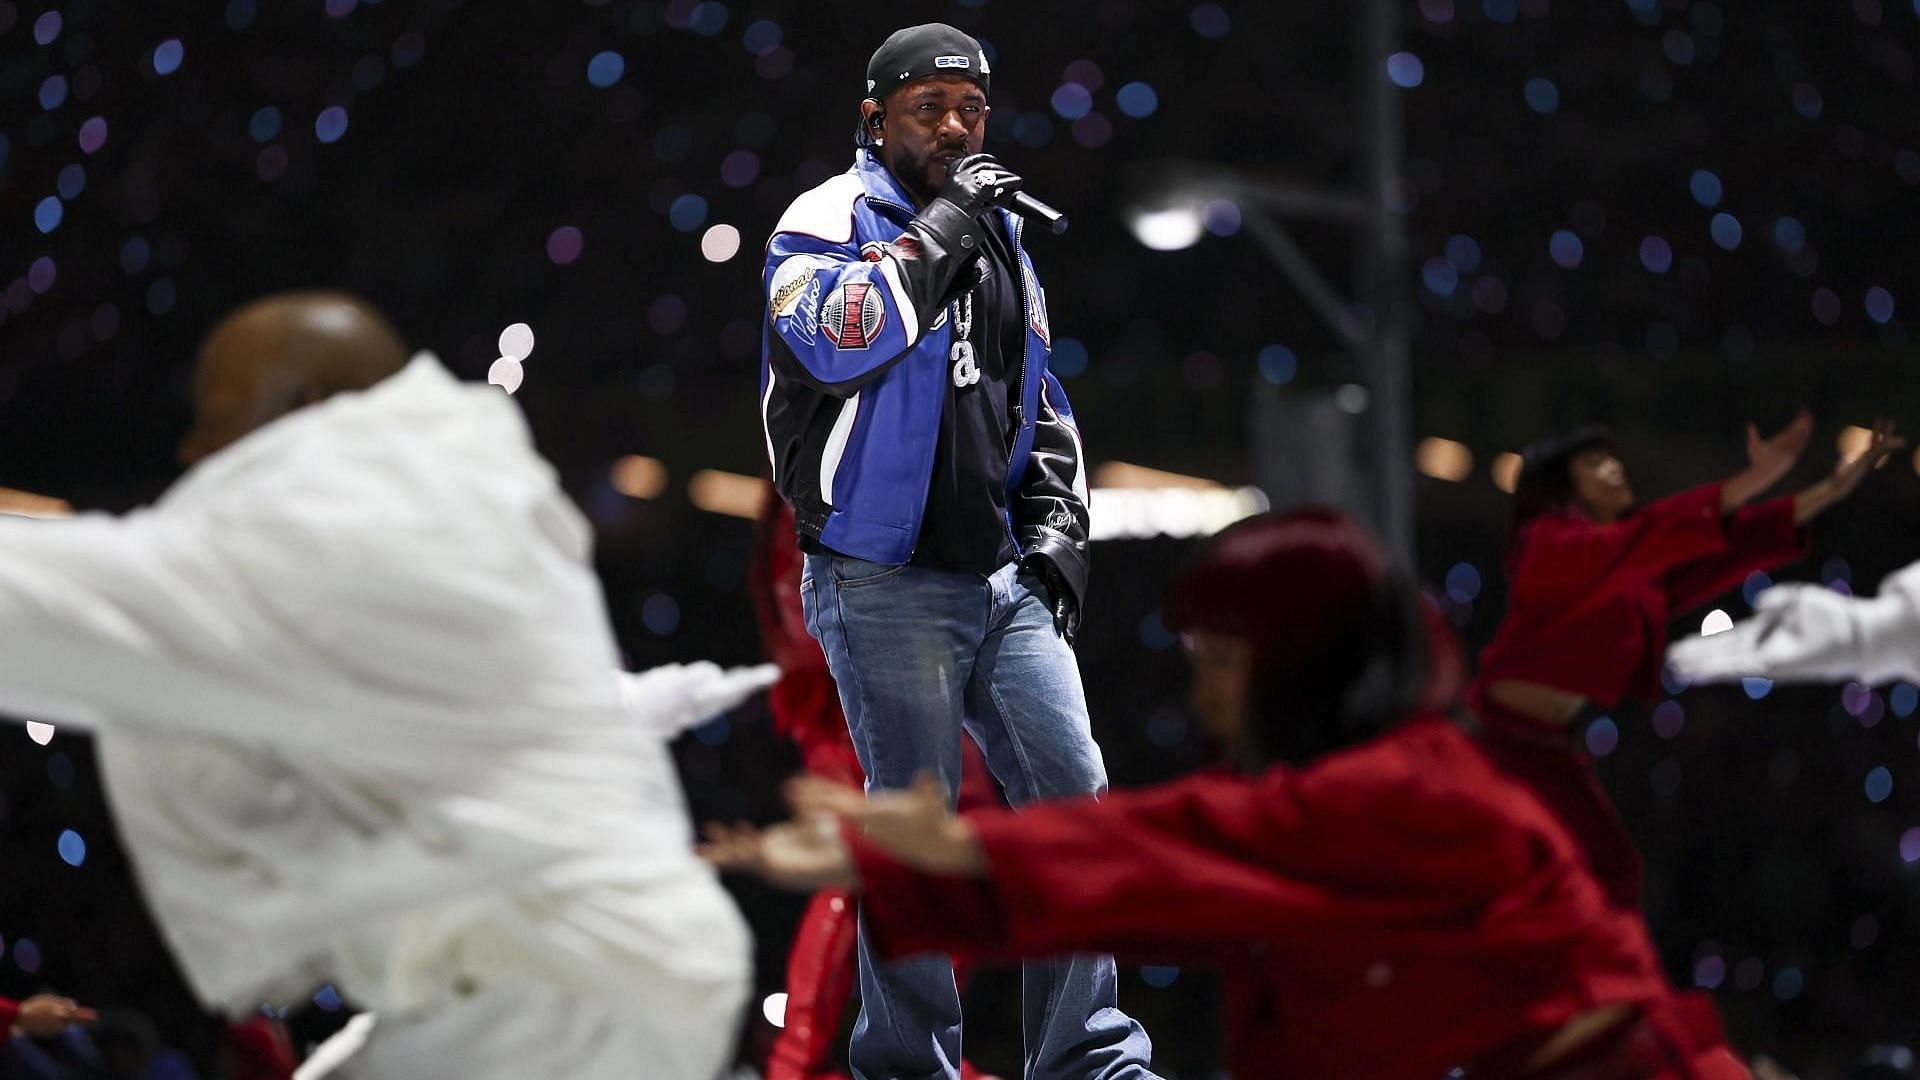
(1038, 212)
(1029, 207)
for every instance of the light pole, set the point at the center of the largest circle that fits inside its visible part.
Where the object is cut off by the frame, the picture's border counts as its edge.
(1374, 325)
(1382, 258)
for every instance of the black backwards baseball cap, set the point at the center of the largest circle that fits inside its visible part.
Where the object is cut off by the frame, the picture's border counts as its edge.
(918, 52)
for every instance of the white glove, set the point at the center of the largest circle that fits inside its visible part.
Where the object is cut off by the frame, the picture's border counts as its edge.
(671, 698)
(1806, 633)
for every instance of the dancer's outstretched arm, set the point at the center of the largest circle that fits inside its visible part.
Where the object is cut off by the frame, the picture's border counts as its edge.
(1805, 633)
(86, 610)
(671, 698)
(157, 620)
(1207, 859)
(41, 1015)
(1815, 500)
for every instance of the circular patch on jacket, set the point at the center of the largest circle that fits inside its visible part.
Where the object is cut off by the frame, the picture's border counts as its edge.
(852, 315)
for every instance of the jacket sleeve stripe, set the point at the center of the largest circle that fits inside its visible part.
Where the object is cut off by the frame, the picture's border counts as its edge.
(766, 425)
(836, 447)
(909, 316)
(1073, 432)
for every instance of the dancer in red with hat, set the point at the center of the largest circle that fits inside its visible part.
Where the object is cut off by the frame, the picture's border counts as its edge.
(1593, 582)
(1386, 903)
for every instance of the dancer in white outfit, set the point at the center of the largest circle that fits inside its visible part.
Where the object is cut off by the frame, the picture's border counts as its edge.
(361, 721)
(1805, 633)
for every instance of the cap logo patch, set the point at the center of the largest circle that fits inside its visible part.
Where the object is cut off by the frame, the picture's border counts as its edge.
(952, 62)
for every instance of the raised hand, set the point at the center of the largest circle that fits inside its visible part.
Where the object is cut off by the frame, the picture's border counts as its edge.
(1771, 458)
(978, 182)
(1848, 473)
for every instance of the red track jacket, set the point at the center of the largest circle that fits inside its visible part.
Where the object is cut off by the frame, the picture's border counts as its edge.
(1588, 607)
(1392, 910)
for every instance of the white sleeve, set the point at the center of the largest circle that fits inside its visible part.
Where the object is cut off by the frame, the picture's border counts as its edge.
(1805, 633)
(94, 625)
(671, 698)
(139, 621)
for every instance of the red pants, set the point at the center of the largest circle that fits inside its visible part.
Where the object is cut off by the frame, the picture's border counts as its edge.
(1543, 757)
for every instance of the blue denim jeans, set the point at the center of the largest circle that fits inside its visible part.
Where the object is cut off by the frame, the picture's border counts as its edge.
(918, 655)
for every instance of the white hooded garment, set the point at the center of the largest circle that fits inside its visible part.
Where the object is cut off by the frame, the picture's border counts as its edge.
(360, 713)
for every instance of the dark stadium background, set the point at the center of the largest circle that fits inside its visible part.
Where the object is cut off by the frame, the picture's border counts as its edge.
(1568, 262)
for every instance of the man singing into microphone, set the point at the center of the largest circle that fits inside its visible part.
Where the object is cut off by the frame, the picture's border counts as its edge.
(940, 494)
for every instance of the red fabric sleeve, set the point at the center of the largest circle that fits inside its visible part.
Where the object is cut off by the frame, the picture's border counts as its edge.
(261, 1049)
(1566, 559)
(9, 1012)
(1352, 849)
(910, 912)
(1760, 537)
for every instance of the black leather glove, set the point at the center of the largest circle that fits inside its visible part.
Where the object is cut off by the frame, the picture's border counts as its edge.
(978, 182)
(944, 237)
(1066, 609)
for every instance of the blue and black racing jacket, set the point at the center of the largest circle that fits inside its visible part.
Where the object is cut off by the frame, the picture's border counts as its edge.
(854, 365)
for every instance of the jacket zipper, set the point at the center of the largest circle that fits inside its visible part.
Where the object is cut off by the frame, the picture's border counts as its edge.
(907, 213)
(889, 204)
(1020, 380)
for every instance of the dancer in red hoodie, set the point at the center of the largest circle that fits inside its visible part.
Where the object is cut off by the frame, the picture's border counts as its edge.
(1593, 582)
(821, 971)
(1385, 902)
